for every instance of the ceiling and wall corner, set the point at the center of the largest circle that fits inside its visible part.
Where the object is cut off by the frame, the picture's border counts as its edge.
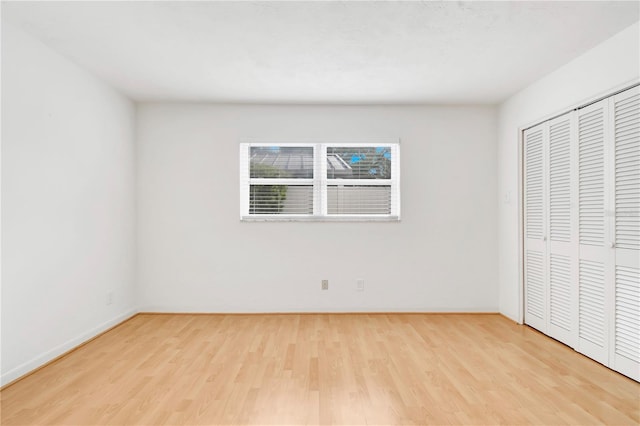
(321, 52)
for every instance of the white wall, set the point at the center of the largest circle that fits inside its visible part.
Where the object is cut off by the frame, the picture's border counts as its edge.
(196, 255)
(68, 204)
(608, 66)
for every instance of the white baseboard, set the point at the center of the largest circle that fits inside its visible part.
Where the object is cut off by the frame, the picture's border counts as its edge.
(29, 366)
(162, 309)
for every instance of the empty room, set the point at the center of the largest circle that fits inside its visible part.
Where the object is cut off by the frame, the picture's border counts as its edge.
(320, 212)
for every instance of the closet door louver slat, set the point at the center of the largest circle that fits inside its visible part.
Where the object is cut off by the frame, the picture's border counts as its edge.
(591, 302)
(534, 185)
(559, 181)
(627, 172)
(560, 292)
(627, 334)
(591, 177)
(535, 287)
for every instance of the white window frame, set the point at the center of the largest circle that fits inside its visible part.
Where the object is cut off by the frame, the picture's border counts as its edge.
(320, 182)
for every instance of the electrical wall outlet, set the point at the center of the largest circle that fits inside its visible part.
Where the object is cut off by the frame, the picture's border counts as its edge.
(325, 284)
(360, 284)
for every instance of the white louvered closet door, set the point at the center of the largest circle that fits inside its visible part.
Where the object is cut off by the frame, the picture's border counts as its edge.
(625, 233)
(561, 222)
(593, 253)
(535, 271)
(582, 230)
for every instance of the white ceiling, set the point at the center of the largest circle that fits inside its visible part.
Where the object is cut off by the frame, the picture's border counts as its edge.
(321, 52)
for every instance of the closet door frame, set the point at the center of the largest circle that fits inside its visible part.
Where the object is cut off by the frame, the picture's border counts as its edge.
(611, 254)
(612, 91)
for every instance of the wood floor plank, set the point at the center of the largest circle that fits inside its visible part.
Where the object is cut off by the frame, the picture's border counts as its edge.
(322, 369)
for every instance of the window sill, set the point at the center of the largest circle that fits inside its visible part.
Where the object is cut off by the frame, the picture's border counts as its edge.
(336, 218)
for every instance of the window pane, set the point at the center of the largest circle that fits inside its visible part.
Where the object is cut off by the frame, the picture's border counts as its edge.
(352, 199)
(359, 163)
(280, 199)
(281, 162)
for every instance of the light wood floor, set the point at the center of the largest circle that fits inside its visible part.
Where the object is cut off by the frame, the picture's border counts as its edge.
(322, 369)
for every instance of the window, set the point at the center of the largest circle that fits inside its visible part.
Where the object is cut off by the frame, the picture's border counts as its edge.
(320, 181)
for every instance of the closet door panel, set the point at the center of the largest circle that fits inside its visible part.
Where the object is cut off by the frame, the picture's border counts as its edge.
(560, 222)
(593, 263)
(535, 271)
(625, 339)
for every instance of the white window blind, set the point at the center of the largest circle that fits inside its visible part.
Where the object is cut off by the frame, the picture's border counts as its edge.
(319, 181)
